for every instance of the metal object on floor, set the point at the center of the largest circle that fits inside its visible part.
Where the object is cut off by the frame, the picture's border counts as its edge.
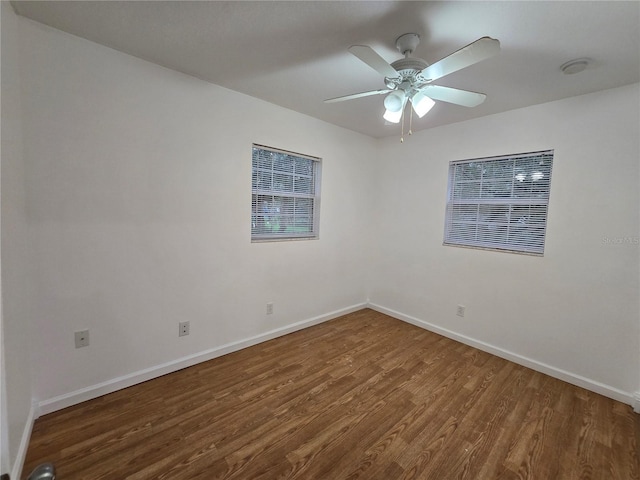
(46, 471)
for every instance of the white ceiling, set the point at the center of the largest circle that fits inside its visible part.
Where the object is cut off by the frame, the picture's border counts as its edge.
(294, 53)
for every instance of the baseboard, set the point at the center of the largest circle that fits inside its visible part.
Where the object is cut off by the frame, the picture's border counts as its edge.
(574, 379)
(16, 471)
(109, 386)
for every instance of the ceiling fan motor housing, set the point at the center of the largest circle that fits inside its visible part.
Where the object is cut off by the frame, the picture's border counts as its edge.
(408, 69)
(409, 66)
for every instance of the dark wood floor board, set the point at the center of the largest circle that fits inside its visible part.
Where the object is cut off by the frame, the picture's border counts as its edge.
(417, 459)
(274, 401)
(507, 410)
(434, 384)
(337, 458)
(429, 438)
(437, 455)
(294, 422)
(363, 396)
(378, 445)
(625, 426)
(484, 428)
(586, 437)
(323, 452)
(96, 442)
(431, 416)
(528, 444)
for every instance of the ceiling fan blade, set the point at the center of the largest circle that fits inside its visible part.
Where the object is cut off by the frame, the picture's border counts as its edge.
(369, 56)
(454, 95)
(357, 95)
(475, 52)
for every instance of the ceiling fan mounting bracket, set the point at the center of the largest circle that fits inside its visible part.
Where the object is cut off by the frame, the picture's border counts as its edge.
(407, 43)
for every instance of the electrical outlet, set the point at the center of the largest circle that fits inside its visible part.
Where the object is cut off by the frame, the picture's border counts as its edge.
(460, 310)
(82, 338)
(269, 308)
(183, 329)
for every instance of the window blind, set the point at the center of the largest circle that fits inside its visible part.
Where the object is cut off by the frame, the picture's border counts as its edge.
(499, 203)
(284, 194)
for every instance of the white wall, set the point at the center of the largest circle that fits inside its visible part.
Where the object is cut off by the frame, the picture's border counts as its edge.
(139, 188)
(16, 424)
(577, 308)
(17, 413)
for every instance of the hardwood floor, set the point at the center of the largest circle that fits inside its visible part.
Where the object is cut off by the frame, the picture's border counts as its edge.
(364, 396)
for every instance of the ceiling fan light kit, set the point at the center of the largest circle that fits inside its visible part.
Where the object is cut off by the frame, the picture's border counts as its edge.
(393, 117)
(395, 100)
(410, 77)
(422, 104)
(394, 106)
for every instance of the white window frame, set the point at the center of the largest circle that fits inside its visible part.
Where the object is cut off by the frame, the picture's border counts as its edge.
(483, 211)
(283, 195)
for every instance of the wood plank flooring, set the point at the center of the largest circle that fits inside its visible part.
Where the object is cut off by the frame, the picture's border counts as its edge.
(364, 396)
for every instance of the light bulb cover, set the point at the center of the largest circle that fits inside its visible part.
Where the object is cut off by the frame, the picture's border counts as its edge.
(421, 104)
(394, 102)
(393, 117)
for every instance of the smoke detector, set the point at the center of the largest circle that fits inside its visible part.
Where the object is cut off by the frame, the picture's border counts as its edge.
(575, 66)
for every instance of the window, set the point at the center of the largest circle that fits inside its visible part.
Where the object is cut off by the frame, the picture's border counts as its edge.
(499, 203)
(285, 195)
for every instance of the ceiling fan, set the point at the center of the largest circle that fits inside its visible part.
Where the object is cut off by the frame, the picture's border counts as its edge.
(409, 79)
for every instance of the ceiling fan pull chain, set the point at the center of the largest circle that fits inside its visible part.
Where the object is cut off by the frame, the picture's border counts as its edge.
(410, 121)
(402, 131)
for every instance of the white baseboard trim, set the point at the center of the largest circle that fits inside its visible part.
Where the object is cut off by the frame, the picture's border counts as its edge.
(574, 379)
(109, 386)
(16, 471)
